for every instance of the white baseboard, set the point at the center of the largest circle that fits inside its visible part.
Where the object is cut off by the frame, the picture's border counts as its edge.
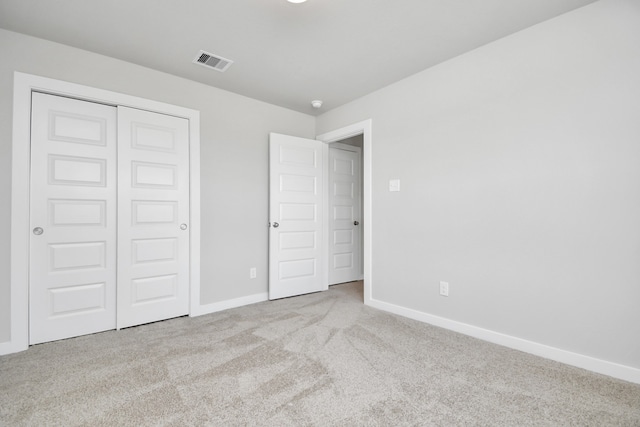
(6, 348)
(13, 346)
(604, 367)
(232, 303)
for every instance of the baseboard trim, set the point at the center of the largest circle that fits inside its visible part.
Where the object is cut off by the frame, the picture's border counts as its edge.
(6, 347)
(13, 346)
(615, 370)
(232, 303)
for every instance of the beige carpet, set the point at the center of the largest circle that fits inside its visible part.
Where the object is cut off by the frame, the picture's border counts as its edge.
(317, 360)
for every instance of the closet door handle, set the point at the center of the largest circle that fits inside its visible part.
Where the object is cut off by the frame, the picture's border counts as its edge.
(38, 231)
(183, 226)
(276, 225)
(356, 223)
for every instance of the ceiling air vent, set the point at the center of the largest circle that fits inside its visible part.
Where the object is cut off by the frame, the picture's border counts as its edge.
(210, 60)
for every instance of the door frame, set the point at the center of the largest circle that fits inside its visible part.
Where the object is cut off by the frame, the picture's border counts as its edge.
(361, 128)
(24, 85)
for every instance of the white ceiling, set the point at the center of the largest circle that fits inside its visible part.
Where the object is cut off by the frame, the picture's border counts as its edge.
(285, 54)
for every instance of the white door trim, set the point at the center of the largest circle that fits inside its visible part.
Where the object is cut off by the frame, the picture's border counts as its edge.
(361, 128)
(24, 85)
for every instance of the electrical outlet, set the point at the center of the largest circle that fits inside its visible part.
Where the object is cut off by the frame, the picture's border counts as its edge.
(253, 273)
(444, 289)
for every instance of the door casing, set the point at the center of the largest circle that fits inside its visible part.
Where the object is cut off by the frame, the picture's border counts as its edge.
(360, 128)
(24, 85)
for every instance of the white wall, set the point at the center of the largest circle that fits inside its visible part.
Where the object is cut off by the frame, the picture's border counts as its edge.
(234, 162)
(520, 174)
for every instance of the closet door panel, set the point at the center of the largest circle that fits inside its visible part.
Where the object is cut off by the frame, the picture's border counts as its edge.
(72, 264)
(153, 217)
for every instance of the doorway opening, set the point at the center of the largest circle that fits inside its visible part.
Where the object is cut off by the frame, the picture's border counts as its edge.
(298, 211)
(358, 134)
(344, 211)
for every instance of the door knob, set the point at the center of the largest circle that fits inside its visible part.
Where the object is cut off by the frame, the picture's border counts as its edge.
(356, 223)
(183, 226)
(38, 231)
(276, 225)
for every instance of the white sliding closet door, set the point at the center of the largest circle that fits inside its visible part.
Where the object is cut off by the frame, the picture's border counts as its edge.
(109, 214)
(72, 263)
(153, 217)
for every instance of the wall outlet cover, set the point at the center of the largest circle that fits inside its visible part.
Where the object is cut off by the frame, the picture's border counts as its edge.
(444, 289)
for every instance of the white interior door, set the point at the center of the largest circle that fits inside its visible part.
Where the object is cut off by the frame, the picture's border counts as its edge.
(296, 212)
(72, 263)
(344, 213)
(153, 217)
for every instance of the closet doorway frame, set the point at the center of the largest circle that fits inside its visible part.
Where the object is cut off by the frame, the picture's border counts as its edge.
(24, 85)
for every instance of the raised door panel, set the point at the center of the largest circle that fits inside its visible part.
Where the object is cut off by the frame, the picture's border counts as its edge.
(77, 256)
(77, 213)
(154, 250)
(154, 175)
(153, 212)
(72, 170)
(78, 128)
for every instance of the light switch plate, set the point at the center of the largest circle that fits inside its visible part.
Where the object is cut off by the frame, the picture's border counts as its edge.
(394, 185)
